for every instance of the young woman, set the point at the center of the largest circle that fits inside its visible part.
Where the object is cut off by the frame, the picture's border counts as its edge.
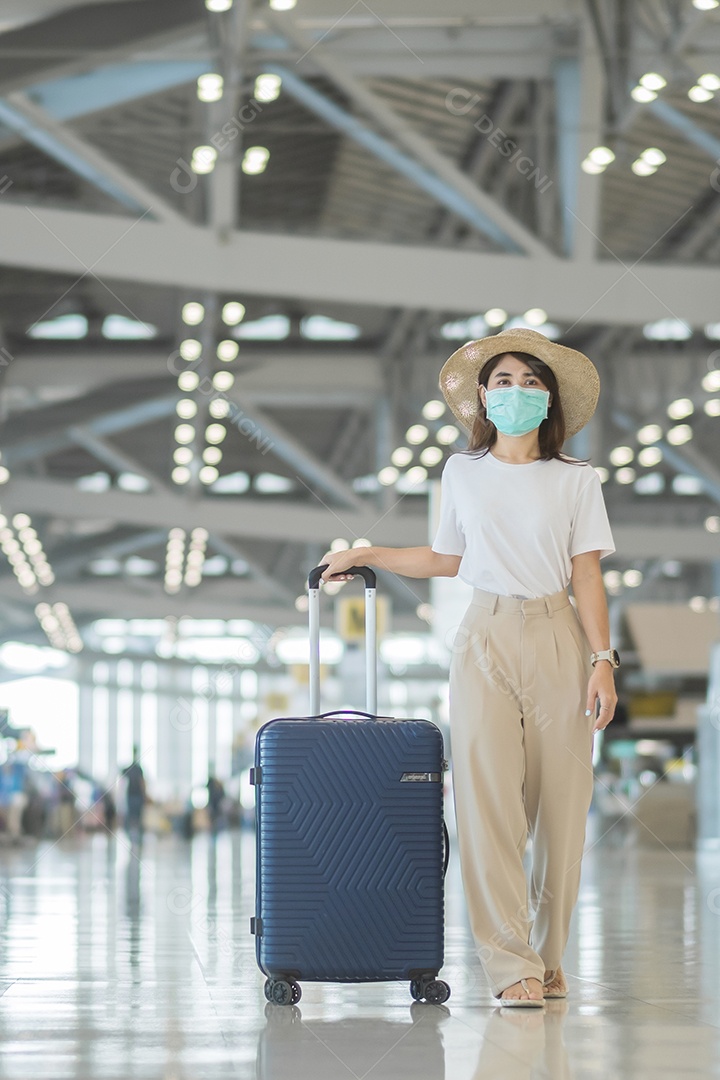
(520, 521)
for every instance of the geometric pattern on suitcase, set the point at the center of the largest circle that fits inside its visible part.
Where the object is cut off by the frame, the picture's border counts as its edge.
(349, 858)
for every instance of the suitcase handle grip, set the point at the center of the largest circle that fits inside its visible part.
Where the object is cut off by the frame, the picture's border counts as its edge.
(362, 571)
(343, 712)
(446, 845)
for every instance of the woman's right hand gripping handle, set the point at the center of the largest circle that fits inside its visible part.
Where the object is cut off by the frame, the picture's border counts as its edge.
(416, 562)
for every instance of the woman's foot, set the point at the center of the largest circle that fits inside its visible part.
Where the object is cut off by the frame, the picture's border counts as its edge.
(554, 985)
(526, 992)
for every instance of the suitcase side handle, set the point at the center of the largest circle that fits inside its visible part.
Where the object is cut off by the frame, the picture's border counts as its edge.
(365, 572)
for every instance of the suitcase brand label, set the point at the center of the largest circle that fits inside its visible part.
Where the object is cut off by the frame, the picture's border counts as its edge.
(420, 777)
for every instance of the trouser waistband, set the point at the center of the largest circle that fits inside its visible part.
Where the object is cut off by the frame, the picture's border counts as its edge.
(536, 605)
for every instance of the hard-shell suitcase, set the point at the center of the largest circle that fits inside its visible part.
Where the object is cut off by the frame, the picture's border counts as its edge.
(351, 843)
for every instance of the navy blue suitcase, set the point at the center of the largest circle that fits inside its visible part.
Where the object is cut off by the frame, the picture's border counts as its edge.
(351, 844)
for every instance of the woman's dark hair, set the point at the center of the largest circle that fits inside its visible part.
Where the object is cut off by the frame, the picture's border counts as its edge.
(551, 435)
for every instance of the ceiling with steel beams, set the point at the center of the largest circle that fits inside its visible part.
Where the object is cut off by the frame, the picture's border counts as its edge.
(369, 182)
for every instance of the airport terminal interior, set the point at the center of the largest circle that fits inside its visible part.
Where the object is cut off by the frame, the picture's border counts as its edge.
(238, 241)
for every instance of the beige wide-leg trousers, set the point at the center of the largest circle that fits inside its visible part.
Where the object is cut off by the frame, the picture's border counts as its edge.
(521, 749)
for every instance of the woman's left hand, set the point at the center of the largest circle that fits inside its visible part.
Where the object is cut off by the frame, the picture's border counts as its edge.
(602, 685)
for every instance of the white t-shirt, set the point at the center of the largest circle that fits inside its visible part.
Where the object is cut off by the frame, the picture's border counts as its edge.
(517, 526)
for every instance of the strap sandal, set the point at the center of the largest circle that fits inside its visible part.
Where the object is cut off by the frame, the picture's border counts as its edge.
(522, 1003)
(556, 993)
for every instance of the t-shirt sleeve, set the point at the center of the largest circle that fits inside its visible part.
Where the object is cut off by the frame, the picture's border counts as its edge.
(590, 529)
(449, 538)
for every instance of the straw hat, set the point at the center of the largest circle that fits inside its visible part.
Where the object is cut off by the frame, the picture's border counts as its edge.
(577, 377)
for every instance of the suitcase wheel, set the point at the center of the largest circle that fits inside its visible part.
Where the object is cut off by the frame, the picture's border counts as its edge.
(282, 991)
(434, 991)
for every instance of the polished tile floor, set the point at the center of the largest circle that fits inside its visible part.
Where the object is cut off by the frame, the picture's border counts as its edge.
(125, 962)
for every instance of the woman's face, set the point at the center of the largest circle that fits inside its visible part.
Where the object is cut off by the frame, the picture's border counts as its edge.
(509, 371)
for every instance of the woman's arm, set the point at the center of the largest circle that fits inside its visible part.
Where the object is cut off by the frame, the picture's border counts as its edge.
(415, 562)
(589, 592)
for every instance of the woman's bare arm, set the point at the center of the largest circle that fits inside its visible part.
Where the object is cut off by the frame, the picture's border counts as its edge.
(415, 562)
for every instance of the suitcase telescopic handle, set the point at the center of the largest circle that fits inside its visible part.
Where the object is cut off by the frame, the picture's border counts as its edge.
(369, 578)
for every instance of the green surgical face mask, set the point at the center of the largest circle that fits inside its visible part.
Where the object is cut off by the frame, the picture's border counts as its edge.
(516, 410)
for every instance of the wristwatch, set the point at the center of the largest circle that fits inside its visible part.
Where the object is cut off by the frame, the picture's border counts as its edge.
(606, 654)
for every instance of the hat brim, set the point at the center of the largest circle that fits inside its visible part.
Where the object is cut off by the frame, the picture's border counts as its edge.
(577, 377)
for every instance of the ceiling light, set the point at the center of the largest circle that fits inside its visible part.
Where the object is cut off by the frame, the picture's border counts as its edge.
(593, 168)
(128, 481)
(705, 5)
(272, 484)
(679, 434)
(432, 410)
(712, 407)
(709, 82)
(339, 544)
(535, 316)
(388, 475)
(447, 435)
(212, 455)
(323, 328)
(63, 327)
(208, 474)
(215, 433)
(680, 408)
(186, 408)
(233, 312)
(632, 578)
(203, 159)
(282, 5)
(416, 434)
(223, 380)
(184, 433)
(121, 328)
(193, 313)
(188, 380)
(182, 455)
(643, 168)
(712, 523)
(219, 408)
(190, 349)
(21, 521)
(621, 455)
(642, 94)
(683, 484)
(210, 87)
(654, 156)
(653, 81)
(227, 351)
(625, 476)
(496, 316)
(650, 455)
(650, 484)
(267, 87)
(431, 455)
(362, 541)
(699, 94)
(711, 381)
(268, 328)
(218, 5)
(667, 330)
(180, 474)
(649, 433)
(402, 456)
(601, 155)
(416, 475)
(603, 473)
(255, 160)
